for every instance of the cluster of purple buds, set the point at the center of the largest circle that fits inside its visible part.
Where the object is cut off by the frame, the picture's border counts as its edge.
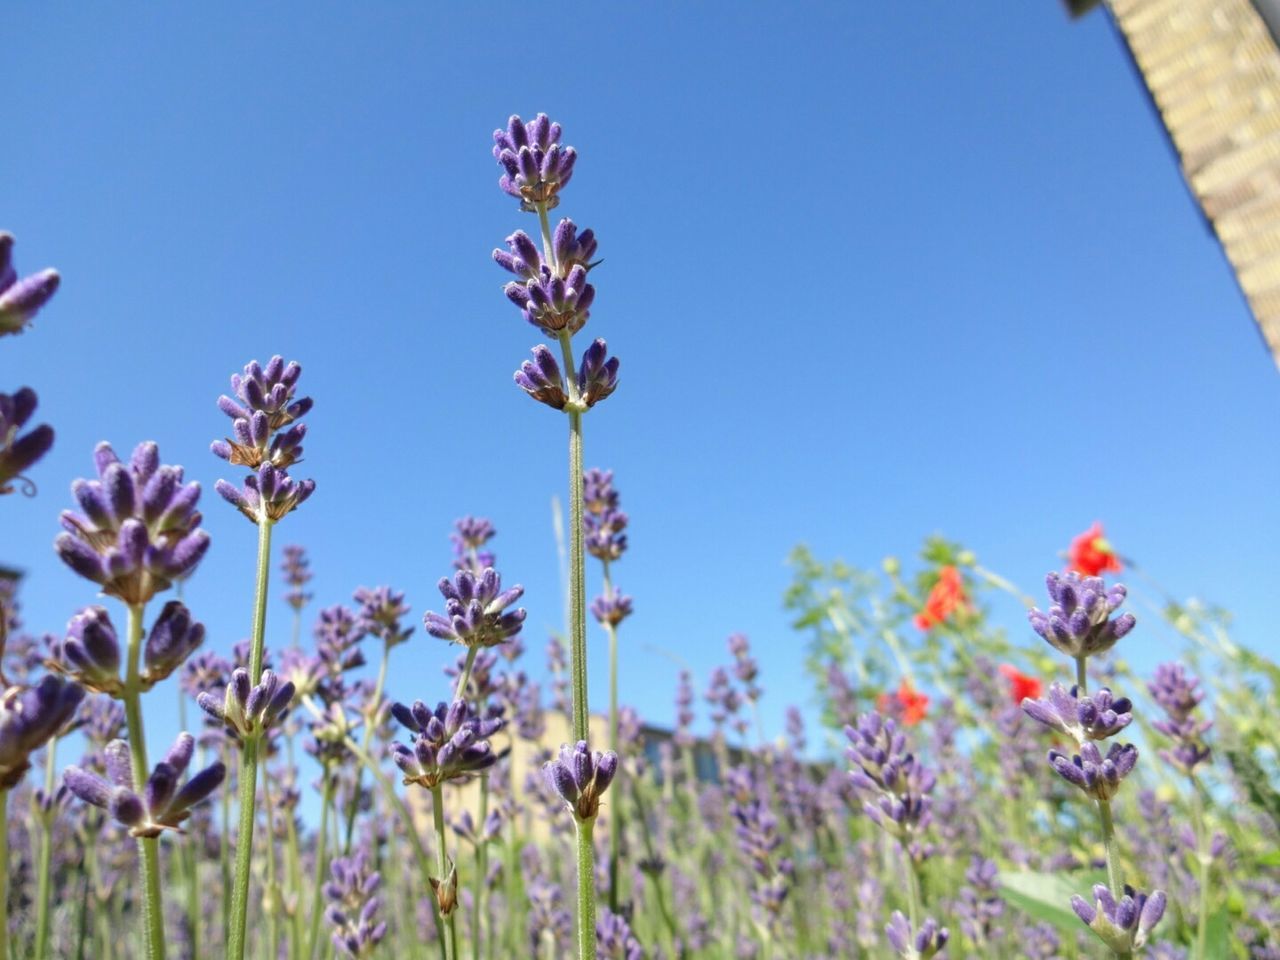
(90, 652)
(249, 710)
(470, 534)
(353, 907)
(162, 805)
(724, 698)
(614, 938)
(465, 828)
(756, 830)
(745, 667)
(1079, 622)
(553, 296)
(684, 710)
(296, 568)
(603, 522)
(915, 945)
(21, 300)
(612, 608)
(597, 376)
(1124, 926)
(581, 776)
(536, 165)
(896, 785)
(29, 717)
(476, 612)
(1179, 694)
(1098, 776)
(268, 439)
(382, 610)
(1096, 717)
(449, 743)
(140, 529)
(19, 453)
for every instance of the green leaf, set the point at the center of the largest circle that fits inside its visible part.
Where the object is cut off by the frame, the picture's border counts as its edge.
(1047, 896)
(1217, 936)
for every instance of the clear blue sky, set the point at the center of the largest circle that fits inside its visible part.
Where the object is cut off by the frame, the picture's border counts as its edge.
(873, 270)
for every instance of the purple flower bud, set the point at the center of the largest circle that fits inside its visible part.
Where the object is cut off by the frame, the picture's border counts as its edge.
(29, 716)
(1081, 718)
(19, 453)
(268, 495)
(450, 743)
(540, 378)
(1124, 925)
(597, 376)
(535, 165)
(174, 637)
(476, 612)
(90, 652)
(581, 777)
(21, 300)
(1079, 624)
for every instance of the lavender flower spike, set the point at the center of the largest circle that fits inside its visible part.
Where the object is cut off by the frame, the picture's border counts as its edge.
(1081, 718)
(1124, 926)
(1079, 622)
(267, 496)
(581, 777)
(249, 711)
(449, 743)
(540, 378)
(174, 637)
(19, 453)
(264, 404)
(475, 610)
(29, 716)
(162, 805)
(1178, 693)
(140, 529)
(554, 304)
(90, 652)
(296, 567)
(1098, 776)
(536, 165)
(353, 907)
(925, 943)
(21, 300)
(597, 376)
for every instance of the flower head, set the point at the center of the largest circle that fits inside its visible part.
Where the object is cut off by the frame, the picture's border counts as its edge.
(29, 716)
(1079, 622)
(1081, 718)
(597, 374)
(895, 785)
(946, 597)
(19, 453)
(1090, 554)
(536, 165)
(1124, 925)
(247, 710)
(263, 412)
(21, 300)
(449, 743)
(268, 495)
(162, 805)
(614, 939)
(476, 612)
(382, 610)
(353, 906)
(1096, 775)
(541, 379)
(554, 304)
(1179, 694)
(140, 529)
(921, 944)
(581, 776)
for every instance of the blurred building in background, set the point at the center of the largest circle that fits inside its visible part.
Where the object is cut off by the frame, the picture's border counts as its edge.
(1212, 70)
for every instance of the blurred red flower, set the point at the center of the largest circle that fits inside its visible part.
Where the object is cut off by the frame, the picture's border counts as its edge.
(946, 597)
(907, 704)
(1090, 553)
(1021, 686)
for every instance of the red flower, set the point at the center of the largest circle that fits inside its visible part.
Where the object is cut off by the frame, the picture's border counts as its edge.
(1090, 554)
(908, 704)
(1021, 686)
(946, 597)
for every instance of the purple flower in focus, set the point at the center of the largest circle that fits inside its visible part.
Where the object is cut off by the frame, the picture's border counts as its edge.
(19, 453)
(924, 943)
(581, 776)
(21, 300)
(264, 404)
(1079, 622)
(1126, 925)
(162, 805)
(541, 379)
(1096, 775)
(554, 304)
(597, 374)
(1082, 718)
(267, 496)
(249, 710)
(536, 165)
(449, 743)
(475, 610)
(353, 907)
(140, 529)
(29, 716)
(90, 652)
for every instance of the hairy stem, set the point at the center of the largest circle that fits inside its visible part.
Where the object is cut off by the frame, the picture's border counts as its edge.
(482, 869)
(4, 873)
(1108, 846)
(369, 726)
(586, 891)
(46, 852)
(149, 857)
(322, 863)
(442, 864)
(249, 755)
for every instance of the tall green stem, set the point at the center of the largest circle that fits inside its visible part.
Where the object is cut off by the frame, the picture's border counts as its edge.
(1203, 860)
(586, 891)
(4, 875)
(442, 865)
(482, 870)
(322, 864)
(149, 855)
(249, 754)
(370, 723)
(46, 852)
(1108, 845)
(273, 889)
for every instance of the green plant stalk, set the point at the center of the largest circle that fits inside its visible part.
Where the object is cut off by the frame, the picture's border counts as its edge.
(365, 741)
(322, 865)
(652, 853)
(149, 856)
(1202, 869)
(4, 876)
(249, 754)
(586, 891)
(616, 820)
(482, 870)
(442, 864)
(273, 889)
(82, 919)
(294, 865)
(914, 905)
(46, 853)
(224, 853)
(190, 857)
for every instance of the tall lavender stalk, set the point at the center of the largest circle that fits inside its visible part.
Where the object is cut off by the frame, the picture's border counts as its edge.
(268, 440)
(553, 294)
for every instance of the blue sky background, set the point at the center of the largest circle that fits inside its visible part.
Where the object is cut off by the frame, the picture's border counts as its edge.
(874, 271)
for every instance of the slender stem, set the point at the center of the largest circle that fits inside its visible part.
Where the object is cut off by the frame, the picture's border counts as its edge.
(295, 884)
(1082, 675)
(442, 864)
(370, 719)
(482, 870)
(322, 855)
(1203, 861)
(188, 854)
(586, 891)
(4, 872)
(249, 755)
(1108, 845)
(273, 888)
(577, 580)
(224, 850)
(46, 851)
(464, 677)
(152, 908)
(914, 905)
(616, 817)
